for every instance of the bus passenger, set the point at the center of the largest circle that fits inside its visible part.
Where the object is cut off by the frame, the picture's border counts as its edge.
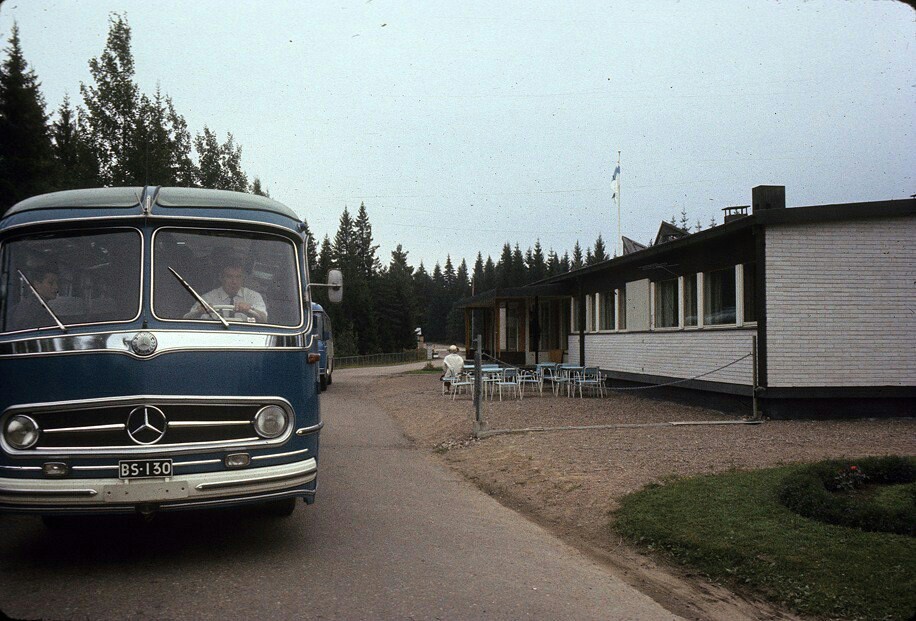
(29, 313)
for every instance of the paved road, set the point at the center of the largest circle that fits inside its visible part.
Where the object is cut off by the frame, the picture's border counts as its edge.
(393, 535)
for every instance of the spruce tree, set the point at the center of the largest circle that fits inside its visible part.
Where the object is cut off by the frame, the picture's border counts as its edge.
(76, 166)
(599, 253)
(537, 267)
(504, 267)
(577, 256)
(490, 278)
(477, 280)
(26, 158)
(369, 263)
(257, 189)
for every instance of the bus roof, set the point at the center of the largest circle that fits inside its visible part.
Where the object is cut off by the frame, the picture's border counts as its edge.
(101, 199)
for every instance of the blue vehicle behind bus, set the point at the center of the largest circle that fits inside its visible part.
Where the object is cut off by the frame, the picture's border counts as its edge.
(156, 353)
(324, 340)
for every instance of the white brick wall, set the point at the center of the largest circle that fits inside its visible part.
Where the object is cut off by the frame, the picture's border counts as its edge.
(682, 354)
(841, 303)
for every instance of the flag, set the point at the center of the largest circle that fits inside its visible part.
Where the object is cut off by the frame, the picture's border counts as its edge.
(615, 181)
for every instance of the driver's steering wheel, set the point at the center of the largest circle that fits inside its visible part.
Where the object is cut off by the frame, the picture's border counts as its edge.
(221, 309)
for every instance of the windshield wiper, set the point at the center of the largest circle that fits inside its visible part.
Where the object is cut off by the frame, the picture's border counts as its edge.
(41, 300)
(200, 300)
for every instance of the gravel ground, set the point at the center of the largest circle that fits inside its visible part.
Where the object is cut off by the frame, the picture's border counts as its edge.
(571, 481)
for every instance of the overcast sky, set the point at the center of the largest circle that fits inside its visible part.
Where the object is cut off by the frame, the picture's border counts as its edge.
(462, 125)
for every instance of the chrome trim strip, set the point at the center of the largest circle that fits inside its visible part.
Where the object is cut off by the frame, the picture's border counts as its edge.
(207, 423)
(90, 428)
(112, 467)
(61, 494)
(309, 469)
(289, 454)
(169, 341)
(95, 323)
(223, 501)
(297, 246)
(43, 452)
(199, 462)
(20, 468)
(131, 450)
(304, 431)
(20, 491)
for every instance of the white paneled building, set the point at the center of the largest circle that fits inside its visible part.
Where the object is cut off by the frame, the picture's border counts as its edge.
(822, 298)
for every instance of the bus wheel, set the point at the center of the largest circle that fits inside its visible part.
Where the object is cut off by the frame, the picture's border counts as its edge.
(281, 508)
(323, 383)
(329, 378)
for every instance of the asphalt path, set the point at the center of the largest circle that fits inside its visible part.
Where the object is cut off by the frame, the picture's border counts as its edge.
(394, 534)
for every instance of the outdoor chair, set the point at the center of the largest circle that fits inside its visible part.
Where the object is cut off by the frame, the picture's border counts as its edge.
(563, 378)
(548, 372)
(464, 381)
(531, 378)
(509, 379)
(592, 379)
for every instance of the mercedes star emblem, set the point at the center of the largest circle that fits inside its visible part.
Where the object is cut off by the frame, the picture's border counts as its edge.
(144, 344)
(146, 424)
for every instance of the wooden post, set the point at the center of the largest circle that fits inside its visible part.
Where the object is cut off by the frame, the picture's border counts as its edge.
(479, 424)
(754, 375)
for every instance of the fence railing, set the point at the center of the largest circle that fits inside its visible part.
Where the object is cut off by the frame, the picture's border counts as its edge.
(376, 360)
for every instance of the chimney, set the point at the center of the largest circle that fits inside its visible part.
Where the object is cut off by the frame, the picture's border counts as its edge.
(768, 197)
(733, 213)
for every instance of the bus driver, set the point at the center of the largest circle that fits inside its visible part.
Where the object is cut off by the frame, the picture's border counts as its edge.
(232, 292)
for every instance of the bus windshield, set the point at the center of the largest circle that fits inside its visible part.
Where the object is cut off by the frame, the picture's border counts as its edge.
(73, 278)
(225, 277)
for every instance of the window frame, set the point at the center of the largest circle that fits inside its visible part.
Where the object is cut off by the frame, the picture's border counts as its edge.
(656, 299)
(305, 313)
(84, 230)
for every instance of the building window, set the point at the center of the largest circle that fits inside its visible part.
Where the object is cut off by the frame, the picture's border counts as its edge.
(574, 315)
(750, 292)
(690, 300)
(606, 319)
(666, 303)
(719, 297)
(590, 313)
(622, 308)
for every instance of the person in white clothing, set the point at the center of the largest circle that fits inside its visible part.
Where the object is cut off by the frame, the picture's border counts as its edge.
(245, 302)
(452, 365)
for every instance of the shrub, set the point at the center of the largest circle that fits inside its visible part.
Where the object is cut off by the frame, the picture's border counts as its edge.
(820, 492)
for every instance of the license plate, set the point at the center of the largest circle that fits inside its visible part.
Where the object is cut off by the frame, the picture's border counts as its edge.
(145, 469)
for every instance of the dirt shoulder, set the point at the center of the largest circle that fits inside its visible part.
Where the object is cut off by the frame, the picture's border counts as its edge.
(571, 481)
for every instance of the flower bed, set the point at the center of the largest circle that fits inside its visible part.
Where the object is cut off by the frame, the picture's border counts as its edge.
(829, 492)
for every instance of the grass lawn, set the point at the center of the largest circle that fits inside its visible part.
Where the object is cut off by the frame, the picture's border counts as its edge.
(733, 528)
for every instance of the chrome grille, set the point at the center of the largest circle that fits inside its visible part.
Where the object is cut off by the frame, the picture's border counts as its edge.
(189, 423)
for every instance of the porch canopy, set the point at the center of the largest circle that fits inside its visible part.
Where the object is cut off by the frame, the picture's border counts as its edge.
(519, 325)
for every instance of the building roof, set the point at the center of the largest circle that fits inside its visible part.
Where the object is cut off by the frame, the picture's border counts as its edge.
(668, 232)
(762, 218)
(630, 246)
(487, 298)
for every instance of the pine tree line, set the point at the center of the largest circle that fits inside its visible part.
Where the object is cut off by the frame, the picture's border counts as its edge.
(118, 136)
(384, 304)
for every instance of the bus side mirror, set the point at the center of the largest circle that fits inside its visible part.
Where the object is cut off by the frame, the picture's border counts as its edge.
(335, 286)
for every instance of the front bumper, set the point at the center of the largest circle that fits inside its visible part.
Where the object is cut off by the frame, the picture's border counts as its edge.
(176, 492)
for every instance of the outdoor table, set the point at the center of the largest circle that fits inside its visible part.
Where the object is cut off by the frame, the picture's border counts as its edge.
(567, 372)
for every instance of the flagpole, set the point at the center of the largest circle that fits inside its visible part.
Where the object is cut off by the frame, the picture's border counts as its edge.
(619, 238)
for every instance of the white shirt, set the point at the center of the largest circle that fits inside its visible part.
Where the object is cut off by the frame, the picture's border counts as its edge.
(453, 365)
(218, 296)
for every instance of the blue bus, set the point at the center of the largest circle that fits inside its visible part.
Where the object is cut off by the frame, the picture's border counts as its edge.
(156, 353)
(324, 341)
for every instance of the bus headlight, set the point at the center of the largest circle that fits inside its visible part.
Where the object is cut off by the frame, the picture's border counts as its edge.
(270, 421)
(21, 432)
